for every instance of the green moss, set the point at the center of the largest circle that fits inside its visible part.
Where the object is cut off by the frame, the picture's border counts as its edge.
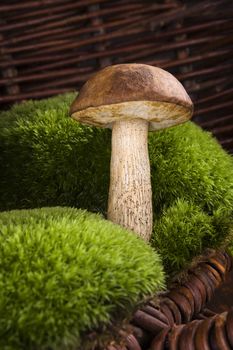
(48, 159)
(230, 249)
(64, 272)
(188, 163)
(230, 243)
(183, 232)
(192, 182)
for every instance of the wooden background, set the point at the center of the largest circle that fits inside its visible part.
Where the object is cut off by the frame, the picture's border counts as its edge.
(52, 46)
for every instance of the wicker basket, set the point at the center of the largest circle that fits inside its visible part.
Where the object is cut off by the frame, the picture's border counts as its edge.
(52, 46)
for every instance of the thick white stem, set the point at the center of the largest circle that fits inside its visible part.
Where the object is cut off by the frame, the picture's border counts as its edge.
(130, 195)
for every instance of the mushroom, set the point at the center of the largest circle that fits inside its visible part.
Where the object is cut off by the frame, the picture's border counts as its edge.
(131, 99)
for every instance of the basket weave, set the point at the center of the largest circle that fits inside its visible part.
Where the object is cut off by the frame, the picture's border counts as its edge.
(53, 46)
(179, 319)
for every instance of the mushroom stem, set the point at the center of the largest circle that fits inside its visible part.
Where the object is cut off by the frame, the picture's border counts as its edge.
(130, 195)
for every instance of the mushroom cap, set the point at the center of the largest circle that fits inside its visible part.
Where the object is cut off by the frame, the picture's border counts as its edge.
(130, 91)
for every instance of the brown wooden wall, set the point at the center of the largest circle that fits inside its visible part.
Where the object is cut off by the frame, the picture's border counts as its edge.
(52, 46)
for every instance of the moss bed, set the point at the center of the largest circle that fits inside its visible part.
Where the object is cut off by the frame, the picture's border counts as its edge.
(47, 159)
(65, 272)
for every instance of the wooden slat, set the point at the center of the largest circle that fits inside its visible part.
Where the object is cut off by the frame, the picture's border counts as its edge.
(54, 45)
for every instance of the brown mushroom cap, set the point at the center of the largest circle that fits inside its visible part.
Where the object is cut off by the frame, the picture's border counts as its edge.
(133, 90)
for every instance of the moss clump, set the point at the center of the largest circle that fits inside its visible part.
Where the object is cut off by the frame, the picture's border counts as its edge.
(48, 159)
(192, 180)
(183, 232)
(64, 272)
(188, 163)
